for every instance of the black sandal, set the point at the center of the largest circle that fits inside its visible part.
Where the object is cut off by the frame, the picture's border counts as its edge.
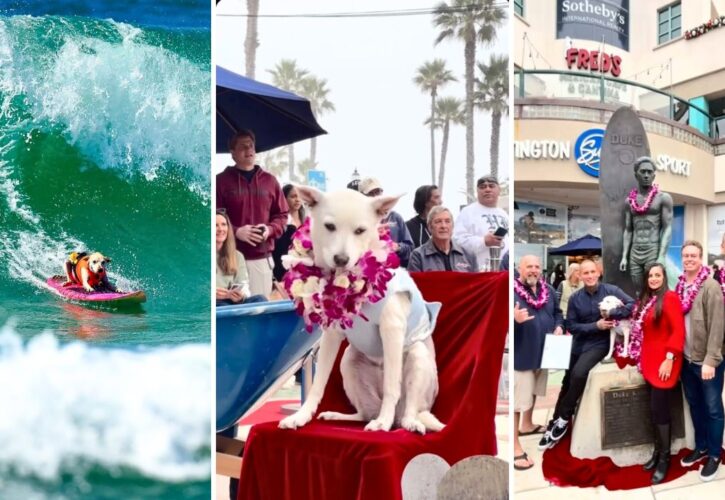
(523, 456)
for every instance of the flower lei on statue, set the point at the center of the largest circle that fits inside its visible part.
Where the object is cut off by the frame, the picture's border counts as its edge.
(536, 303)
(722, 281)
(333, 298)
(687, 294)
(642, 209)
(636, 335)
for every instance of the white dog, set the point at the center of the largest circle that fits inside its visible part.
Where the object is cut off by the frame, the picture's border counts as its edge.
(399, 386)
(606, 306)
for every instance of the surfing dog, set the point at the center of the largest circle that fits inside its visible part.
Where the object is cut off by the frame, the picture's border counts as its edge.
(399, 386)
(89, 271)
(623, 327)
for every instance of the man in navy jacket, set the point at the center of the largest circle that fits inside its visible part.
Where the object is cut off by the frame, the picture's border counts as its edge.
(536, 313)
(590, 344)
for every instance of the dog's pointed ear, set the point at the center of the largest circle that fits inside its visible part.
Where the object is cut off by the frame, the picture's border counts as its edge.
(384, 204)
(310, 195)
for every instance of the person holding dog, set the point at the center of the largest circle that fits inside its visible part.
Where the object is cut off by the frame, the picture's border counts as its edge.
(663, 338)
(256, 207)
(232, 283)
(426, 197)
(441, 253)
(589, 346)
(702, 367)
(478, 223)
(536, 313)
(399, 233)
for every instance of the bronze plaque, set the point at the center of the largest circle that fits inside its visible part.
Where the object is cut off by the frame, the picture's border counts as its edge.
(626, 416)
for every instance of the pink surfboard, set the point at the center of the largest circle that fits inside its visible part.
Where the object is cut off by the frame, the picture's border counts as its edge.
(77, 293)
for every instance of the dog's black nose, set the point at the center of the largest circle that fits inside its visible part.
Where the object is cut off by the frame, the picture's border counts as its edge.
(341, 260)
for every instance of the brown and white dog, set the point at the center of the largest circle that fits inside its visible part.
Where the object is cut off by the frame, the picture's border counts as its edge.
(89, 271)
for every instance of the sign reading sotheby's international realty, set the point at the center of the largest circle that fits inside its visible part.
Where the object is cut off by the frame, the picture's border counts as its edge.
(594, 20)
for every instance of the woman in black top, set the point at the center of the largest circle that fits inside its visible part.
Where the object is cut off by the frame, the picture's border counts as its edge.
(294, 220)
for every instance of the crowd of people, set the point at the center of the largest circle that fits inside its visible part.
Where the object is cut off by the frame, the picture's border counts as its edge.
(256, 219)
(682, 341)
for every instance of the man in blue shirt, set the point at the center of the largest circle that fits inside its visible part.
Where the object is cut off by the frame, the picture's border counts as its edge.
(536, 313)
(590, 344)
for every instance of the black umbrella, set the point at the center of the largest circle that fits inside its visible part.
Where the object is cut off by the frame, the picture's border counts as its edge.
(585, 245)
(276, 117)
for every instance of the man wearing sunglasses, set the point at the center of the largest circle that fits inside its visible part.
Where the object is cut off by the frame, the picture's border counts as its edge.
(482, 225)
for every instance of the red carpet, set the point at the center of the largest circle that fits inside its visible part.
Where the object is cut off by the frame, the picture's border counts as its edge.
(562, 469)
(271, 411)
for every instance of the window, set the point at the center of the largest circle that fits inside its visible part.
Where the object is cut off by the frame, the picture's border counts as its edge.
(669, 23)
(519, 7)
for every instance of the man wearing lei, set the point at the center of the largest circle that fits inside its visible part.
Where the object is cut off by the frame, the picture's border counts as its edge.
(536, 313)
(590, 344)
(702, 368)
(647, 223)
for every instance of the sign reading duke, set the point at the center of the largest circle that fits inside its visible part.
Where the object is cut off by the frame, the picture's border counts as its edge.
(594, 20)
(588, 149)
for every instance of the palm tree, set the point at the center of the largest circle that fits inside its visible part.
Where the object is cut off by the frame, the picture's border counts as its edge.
(474, 22)
(448, 110)
(316, 91)
(274, 161)
(492, 92)
(251, 42)
(288, 76)
(432, 76)
(305, 166)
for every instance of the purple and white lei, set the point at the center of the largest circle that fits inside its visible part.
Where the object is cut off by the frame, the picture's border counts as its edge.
(642, 209)
(524, 294)
(687, 294)
(636, 335)
(333, 297)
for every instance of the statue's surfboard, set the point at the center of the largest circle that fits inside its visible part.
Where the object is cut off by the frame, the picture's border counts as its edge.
(624, 141)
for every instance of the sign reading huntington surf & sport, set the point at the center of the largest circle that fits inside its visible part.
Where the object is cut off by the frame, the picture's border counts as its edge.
(594, 20)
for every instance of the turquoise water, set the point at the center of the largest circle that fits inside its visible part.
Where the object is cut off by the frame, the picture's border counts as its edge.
(104, 146)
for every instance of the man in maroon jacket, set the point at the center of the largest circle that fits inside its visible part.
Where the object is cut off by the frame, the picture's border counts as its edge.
(256, 207)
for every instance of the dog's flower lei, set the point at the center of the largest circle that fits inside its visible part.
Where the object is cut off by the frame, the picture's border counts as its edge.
(636, 335)
(687, 294)
(641, 209)
(332, 298)
(524, 294)
(722, 281)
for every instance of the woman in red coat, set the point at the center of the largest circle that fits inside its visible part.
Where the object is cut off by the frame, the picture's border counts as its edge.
(663, 338)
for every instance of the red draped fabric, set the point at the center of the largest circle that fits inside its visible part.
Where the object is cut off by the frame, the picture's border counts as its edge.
(562, 469)
(334, 460)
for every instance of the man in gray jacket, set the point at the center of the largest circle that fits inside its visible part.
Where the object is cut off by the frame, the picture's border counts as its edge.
(702, 368)
(440, 253)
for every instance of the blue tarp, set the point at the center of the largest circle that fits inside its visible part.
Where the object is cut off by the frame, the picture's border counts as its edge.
(584, 245)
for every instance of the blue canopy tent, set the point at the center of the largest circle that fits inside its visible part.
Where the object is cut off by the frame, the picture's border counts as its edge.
(583, 246)
(276, 117)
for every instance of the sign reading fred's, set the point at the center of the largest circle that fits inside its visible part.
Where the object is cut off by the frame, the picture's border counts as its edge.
(596, 20)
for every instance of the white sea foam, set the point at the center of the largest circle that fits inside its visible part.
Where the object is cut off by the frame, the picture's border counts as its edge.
(69, 407)
(127, 105)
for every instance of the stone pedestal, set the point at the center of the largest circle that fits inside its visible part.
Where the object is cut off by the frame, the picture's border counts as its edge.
(586, 440)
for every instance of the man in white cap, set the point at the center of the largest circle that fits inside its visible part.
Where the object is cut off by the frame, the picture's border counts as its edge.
(399, 233)
(482, 225)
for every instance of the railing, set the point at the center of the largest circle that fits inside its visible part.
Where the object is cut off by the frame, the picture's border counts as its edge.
(579, 86)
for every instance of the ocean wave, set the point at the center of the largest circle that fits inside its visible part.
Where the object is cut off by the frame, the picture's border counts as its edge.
(124, 103)
(73, 408)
